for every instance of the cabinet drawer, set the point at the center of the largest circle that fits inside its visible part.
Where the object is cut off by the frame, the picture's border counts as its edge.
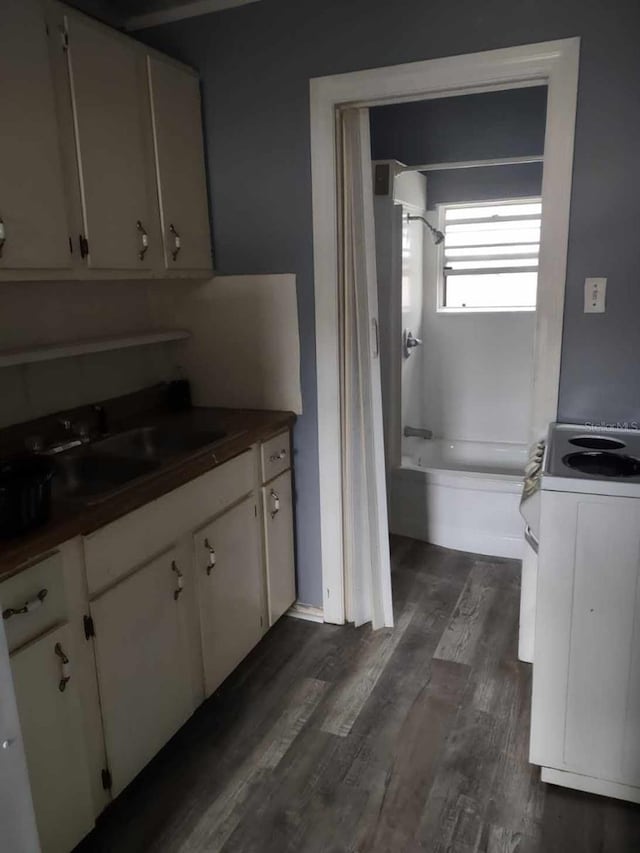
(276, 456)
(114, 550)
(33, 601)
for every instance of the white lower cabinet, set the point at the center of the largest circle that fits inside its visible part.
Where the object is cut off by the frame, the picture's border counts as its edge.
(142, 661)
(586, 673)
(116, 637)
(277, 513)
(51, 722)
(230, 590)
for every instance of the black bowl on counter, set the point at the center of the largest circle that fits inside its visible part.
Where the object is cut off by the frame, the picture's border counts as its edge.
(25, 494)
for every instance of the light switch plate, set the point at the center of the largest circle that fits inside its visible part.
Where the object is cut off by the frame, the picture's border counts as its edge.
(595, 291)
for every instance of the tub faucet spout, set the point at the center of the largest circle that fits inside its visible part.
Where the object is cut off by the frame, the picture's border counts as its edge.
(417, 432)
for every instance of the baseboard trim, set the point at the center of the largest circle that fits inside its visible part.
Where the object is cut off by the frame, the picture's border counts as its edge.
(306, 611)
(590, 785)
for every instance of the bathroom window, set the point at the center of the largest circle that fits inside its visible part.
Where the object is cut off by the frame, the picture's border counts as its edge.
(489, 258)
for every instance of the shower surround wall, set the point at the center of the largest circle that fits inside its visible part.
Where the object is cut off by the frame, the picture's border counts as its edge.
(400, 270)
(477, 367)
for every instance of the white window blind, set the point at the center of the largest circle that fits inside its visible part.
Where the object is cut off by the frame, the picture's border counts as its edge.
(490, 255)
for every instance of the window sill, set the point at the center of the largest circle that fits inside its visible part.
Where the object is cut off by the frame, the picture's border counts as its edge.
(527, 310)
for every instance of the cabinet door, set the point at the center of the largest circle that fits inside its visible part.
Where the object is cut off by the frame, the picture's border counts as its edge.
(230, 589)
(143, 667)
(17, 818)
(277, 509)
(586, 675)
(33, 209)
(51, 722)
(106, 74)
(182, 181)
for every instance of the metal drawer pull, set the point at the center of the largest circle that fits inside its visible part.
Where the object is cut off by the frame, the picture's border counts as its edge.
(27, 607)
(179, 575)
(275, 497)
(3, 235)
(64, 667)
(144, 240)
(177, 245)
(275, 457)
(212, 556)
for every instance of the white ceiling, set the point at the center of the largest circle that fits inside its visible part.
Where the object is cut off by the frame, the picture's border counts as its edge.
(138, 14)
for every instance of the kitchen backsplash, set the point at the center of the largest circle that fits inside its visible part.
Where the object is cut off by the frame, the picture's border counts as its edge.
(32, 390)
(37, 313)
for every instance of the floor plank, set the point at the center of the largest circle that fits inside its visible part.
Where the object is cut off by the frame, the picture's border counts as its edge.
(349, 699)
(334, 739)
(220, 819)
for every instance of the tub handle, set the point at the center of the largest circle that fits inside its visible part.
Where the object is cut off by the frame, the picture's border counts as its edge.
(409, 342)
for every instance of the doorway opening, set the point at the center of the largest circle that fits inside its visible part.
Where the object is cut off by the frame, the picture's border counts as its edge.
(553, 65)
(458, 209)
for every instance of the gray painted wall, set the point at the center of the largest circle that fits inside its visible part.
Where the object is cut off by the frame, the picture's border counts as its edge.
(491, 124)
(472, 127)
(256, 62)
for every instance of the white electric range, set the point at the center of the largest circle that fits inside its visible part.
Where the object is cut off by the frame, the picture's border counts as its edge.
(581, 500)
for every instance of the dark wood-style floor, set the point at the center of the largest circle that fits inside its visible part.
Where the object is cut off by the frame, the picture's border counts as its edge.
(331, 739)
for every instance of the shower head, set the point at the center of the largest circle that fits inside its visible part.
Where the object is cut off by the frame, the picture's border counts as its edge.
(438, 236)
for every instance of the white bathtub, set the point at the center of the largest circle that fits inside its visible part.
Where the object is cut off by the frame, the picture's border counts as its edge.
(459, 494)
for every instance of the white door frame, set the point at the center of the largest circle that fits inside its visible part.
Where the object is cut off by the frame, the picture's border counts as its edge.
(554, 64)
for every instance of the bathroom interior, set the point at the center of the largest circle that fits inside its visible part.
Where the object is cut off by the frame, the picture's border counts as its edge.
(457, 203)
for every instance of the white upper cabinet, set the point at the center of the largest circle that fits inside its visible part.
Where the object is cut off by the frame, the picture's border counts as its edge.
(33, 211)
(180, 169)
(101, 153)
(106, 76)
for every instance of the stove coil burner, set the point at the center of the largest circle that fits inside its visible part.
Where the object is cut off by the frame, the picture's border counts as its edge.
(597, 442)
(600, 463)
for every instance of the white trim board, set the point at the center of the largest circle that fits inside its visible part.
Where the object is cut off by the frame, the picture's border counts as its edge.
(602, 787)
(305, 611)
(179, 12)
(554, 64)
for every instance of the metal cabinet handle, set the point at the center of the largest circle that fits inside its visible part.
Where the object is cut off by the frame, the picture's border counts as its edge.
(3, 235)
(177, 245)
(275, 497)
(65, 676)
(144, 240)
(275, 457)
(212, 556)
(178, 590)
(27, 607)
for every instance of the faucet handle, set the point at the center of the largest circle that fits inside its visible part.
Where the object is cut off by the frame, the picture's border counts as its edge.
(34, 443)
(65, 423)
(409, 342)
(81, 429)
(101, 416)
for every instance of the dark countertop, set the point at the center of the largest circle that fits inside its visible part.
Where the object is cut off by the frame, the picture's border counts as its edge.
(75, 518)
